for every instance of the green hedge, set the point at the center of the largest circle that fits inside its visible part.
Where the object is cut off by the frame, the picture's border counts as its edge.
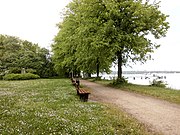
(26, 76)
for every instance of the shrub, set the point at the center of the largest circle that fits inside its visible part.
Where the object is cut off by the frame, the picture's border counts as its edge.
(11, 77)
(120, 81)
(26, 76)
(158, 83)
(30, 70)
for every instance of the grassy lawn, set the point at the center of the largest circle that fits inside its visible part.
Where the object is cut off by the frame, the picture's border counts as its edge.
(50, 106)
(161, 93)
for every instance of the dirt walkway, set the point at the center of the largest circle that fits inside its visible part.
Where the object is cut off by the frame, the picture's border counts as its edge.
(158, 115)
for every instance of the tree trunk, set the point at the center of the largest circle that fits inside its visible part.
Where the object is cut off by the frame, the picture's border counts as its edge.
(89, 75)
(119, 55)
(97, 67)
(79, 73)
(72, 74)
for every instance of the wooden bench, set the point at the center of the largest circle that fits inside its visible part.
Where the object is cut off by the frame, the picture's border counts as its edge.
(83, 94)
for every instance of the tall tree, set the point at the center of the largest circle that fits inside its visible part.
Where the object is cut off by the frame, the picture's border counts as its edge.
(94, 53)
(78, 44)
(64, 46)
(106, 31)
(131, 21)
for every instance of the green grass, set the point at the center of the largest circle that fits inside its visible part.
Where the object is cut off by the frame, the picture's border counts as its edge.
(158, 92)
(51, 106)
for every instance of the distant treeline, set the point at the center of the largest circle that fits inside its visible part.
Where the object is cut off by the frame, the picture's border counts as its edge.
(146, 72)
(17, 56)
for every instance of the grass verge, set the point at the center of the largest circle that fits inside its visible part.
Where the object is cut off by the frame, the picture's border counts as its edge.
(158, 92)
(50, 106)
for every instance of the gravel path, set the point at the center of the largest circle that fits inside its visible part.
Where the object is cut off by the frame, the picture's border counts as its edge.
(158, 115)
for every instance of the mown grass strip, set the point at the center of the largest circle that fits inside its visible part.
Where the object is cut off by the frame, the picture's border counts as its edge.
(158, 92)
(51, 106)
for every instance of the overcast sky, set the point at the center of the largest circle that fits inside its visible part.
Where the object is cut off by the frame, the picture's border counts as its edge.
(35, 21)
(32, 20)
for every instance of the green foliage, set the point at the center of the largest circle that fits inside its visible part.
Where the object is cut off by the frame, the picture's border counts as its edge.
(76, 48)
(27, 76)
(96, 33)
(50, 106)
(14, 70)
(158, 83)
(16, 54)
(30, 70)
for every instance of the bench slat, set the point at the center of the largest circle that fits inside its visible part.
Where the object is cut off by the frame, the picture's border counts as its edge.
(82, 91)
(84, 94)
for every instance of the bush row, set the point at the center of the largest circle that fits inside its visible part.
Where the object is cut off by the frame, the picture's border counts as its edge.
(26, 76)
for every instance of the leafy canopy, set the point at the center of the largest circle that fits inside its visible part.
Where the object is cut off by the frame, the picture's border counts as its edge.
(96, 33)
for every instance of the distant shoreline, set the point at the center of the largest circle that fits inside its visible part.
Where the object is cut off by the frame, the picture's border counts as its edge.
(146, 72)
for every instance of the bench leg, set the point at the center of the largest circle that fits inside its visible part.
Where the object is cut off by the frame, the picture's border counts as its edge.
(77, 92)
(84, 97)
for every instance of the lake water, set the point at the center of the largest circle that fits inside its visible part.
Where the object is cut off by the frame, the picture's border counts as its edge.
(171, 79)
